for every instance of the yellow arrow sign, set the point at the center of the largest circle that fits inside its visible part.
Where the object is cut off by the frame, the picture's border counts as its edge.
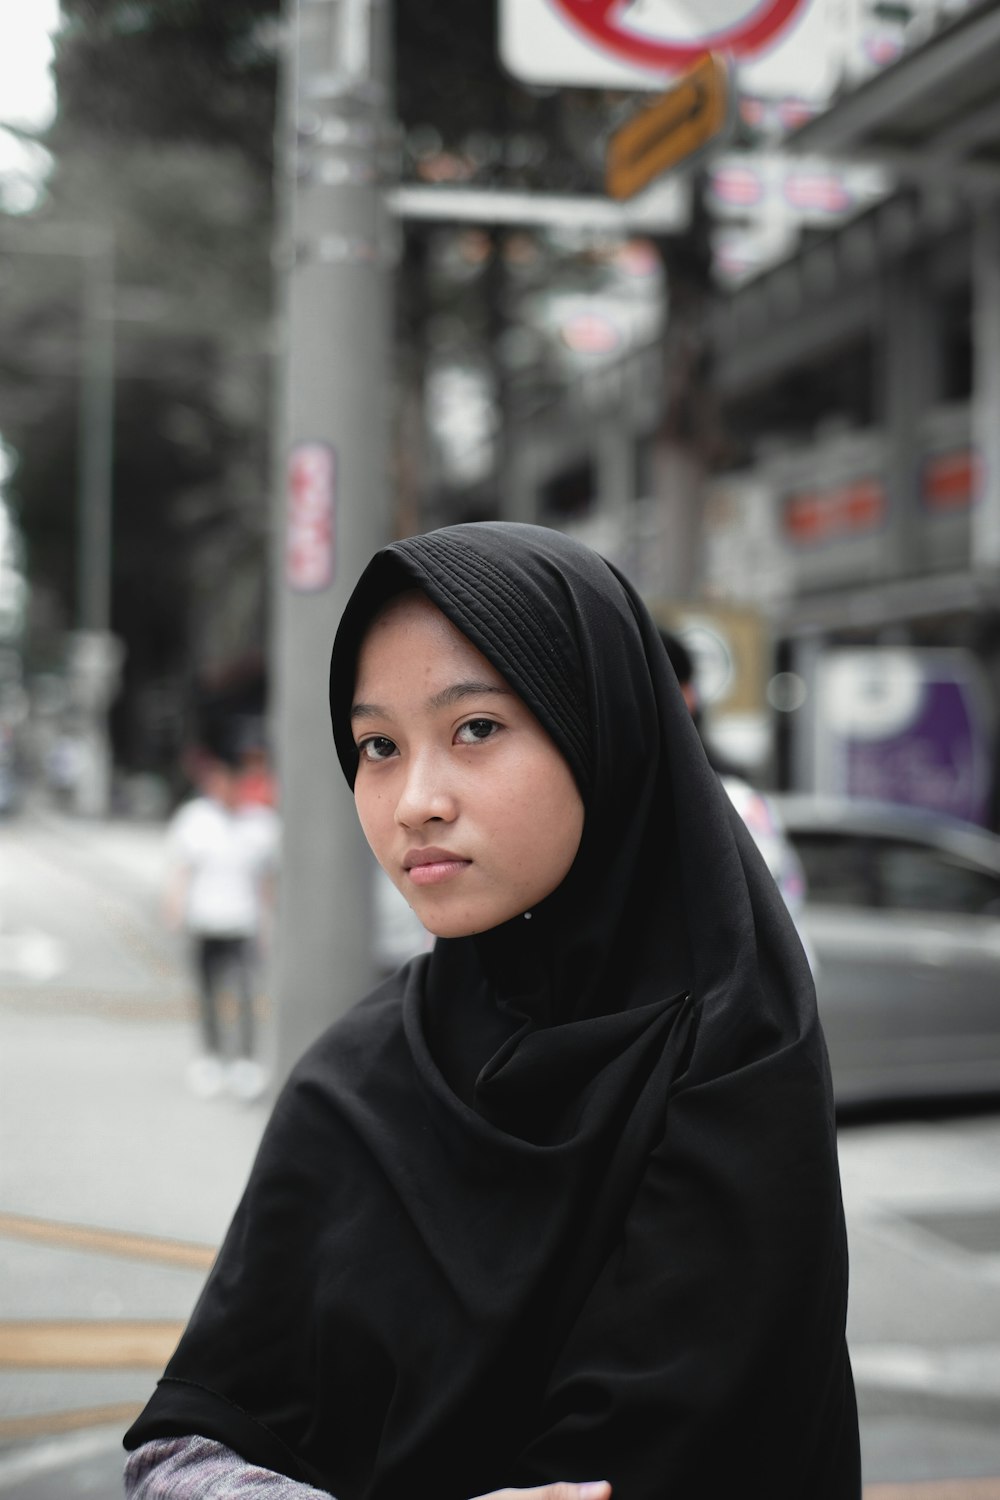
(665, 133)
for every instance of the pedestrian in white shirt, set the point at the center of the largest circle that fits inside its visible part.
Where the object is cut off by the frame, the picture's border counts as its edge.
(222, 858)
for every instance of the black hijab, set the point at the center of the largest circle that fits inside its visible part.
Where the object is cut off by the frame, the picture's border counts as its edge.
(559, 1201)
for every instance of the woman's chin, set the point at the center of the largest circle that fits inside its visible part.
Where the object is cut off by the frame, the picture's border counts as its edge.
(458, 924)
(442, 927)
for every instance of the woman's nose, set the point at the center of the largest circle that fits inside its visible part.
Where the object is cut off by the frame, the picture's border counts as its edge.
(426, 795)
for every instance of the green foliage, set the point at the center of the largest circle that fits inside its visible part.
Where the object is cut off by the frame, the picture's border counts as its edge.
(197, 71)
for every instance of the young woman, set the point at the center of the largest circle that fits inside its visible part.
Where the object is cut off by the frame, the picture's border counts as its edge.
(560, 1198)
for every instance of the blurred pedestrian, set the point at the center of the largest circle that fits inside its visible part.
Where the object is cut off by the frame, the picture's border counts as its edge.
(222, 860)
(256, 786)
(65, 768)
(756, 809)
(561, 1196)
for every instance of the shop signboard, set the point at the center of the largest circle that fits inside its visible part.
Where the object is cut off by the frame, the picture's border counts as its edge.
(730, 647)
(904, 725)
(948, 480)
(814, 517)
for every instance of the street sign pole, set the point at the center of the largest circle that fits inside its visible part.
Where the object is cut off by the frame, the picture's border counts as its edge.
(336, 252)
(94, 655)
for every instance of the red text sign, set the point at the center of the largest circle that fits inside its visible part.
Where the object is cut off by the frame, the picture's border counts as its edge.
(310, 537)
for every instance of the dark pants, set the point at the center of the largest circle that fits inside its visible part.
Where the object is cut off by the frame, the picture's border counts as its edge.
(213, 957)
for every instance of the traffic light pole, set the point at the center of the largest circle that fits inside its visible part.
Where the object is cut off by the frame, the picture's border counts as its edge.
(335, 252)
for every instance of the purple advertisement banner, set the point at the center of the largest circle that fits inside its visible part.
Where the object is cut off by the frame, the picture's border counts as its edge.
(907, 727)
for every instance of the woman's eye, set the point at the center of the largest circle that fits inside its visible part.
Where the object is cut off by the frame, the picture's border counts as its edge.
(379, 747)
(474, 731)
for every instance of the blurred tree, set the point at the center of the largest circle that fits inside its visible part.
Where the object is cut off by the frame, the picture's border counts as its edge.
(204, 71)
(165, 133)
(195, 71)
(180, 171)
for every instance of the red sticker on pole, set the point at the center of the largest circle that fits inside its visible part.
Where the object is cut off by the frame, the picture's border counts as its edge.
(654, 33)
(310, 538)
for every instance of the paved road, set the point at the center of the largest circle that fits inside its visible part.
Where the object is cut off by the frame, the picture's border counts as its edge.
(115, 1185)
(923, 1208)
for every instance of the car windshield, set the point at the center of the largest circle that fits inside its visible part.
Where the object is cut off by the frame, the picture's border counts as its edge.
(845, 869)
(916, 879)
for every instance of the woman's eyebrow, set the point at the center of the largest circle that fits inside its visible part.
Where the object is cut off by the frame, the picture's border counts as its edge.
(368, 711)
(459, 690)
(444, 699)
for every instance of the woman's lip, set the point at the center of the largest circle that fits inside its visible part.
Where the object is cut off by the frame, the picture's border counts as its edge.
(437, 870)
(431, 855)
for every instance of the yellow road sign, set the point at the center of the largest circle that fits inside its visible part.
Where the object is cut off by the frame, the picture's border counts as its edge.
(663, 134)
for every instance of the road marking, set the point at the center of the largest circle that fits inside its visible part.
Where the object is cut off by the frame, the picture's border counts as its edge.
(87, 1345)
(147, 1247)
(31, 955)
(936, 1489)
(956, 1371)
(54, 1423)
(61, 1453)
(897, 1231)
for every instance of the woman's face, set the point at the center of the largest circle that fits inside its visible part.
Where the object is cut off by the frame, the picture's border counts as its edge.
(466, 802)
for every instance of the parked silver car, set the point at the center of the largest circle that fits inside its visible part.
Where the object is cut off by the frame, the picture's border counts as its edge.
(903, 916)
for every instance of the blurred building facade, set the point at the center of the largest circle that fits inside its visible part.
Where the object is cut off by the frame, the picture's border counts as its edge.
(831, 538)
(859, 380)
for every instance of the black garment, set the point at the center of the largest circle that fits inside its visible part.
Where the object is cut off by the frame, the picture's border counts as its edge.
(559, 1201)
(213, 957)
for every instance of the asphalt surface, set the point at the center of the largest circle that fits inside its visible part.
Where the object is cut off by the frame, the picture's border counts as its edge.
(115, 1183)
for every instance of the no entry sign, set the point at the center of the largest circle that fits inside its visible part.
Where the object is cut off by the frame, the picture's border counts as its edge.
(658, 33)
(604, 43)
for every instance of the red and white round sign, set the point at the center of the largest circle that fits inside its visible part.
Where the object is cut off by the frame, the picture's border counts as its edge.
(670, 34)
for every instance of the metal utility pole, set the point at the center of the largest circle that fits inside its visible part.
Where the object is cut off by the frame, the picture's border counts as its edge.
(336, 253)
(986, 388)
(97, 396)
(94, 656)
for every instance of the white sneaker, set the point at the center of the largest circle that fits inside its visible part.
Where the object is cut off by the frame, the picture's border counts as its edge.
(205, 1076)
(246, 1079)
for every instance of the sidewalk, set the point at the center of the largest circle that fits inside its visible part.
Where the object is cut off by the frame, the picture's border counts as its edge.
(116, 1185)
